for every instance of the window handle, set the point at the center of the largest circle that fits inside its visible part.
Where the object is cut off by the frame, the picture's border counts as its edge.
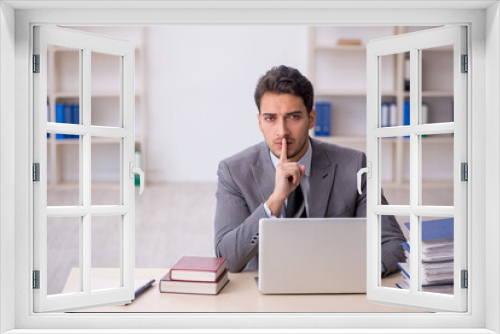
(366, 170)
(137, 170)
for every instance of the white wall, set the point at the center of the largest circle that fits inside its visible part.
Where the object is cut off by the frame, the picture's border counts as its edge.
(7, 167)
(201, 82)
(491, 163)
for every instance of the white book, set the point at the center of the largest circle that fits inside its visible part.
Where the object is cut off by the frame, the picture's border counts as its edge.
(425, 113)
(393, 112)
(384, 115)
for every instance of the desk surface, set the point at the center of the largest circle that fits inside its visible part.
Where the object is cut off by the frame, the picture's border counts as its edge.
(239, 295)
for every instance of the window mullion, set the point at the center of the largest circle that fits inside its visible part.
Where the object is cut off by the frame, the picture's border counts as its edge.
(415, 167)
(85, 178)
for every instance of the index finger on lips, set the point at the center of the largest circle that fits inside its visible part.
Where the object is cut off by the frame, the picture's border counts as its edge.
(283, 157)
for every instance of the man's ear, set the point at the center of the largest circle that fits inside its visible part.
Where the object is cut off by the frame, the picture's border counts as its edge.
(312, 119)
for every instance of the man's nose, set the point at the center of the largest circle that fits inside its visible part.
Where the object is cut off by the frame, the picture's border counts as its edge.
(282, 128)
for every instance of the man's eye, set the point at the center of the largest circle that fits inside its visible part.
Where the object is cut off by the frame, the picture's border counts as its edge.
(295, 117)
(269, 118)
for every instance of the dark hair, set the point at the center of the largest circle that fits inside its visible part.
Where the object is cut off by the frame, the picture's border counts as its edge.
(285, 80)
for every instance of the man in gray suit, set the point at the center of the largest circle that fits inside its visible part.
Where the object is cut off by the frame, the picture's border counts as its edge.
(289, 167)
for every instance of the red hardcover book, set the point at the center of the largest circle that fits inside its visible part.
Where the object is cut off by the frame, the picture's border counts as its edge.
(205, 288)
(198, 268)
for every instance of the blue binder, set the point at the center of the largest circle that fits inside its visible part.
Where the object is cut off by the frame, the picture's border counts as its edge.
(69, 115)
(60, 118)
(436, 229)
(323, 115)
(75, 117)
(406, 114)
(318, 127)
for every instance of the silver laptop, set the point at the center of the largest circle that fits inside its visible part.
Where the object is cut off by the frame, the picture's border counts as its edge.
(312, 255)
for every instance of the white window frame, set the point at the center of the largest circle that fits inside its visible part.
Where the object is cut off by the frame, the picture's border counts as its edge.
(484, 307)
(85, 44)
(414, 43)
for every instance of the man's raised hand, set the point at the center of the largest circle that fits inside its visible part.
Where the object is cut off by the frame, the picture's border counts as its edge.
(288, 176)
(295, 172)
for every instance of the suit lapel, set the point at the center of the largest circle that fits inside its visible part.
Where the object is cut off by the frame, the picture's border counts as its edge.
(322, 175)
(264, 173)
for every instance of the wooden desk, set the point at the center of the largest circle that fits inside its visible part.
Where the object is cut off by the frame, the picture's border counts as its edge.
(239, 295)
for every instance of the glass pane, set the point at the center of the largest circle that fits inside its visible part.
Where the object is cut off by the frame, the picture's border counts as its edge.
(106, 171)
(63, 82)
(388, 112)
(437, 85)
(401, 278)
(437, 255)
(63, 255)
(63, 169)
(67, 111)
(106, 90)
(106, 234)
(389, 115)
(437, 170)
(392, 159)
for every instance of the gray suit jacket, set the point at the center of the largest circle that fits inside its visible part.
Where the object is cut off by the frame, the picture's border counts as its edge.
(246, 180)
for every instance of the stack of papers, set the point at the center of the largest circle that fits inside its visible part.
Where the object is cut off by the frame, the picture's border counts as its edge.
(436, 259)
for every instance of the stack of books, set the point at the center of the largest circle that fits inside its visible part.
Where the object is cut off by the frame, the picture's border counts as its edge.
(437, 257)
(196, 274)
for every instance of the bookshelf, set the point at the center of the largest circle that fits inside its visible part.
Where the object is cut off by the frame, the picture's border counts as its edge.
(63, 89)
(338, 73)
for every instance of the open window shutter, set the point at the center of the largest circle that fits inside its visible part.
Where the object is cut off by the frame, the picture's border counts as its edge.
(82, 135)
(424, 290)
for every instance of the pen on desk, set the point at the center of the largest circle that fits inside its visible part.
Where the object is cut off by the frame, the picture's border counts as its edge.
(142, 288)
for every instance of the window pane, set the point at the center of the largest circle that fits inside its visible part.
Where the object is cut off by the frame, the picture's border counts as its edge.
(437, 109)
(392, 159)
(63, 84)
(437, 255)
(106, 90)
(63, 254)
(105, 169)
(63, 169)
(67, 111)
(399, 280)
(106, 252)
(389, 114)
(437, 170)
(437, 85)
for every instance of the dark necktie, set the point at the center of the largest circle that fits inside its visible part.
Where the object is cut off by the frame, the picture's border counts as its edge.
(294, 201)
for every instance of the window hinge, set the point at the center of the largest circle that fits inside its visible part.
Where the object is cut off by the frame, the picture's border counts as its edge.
(36, 63)
(36, 172)
(465, 279)
(465, 64)
(36, 279)
(464, 171)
